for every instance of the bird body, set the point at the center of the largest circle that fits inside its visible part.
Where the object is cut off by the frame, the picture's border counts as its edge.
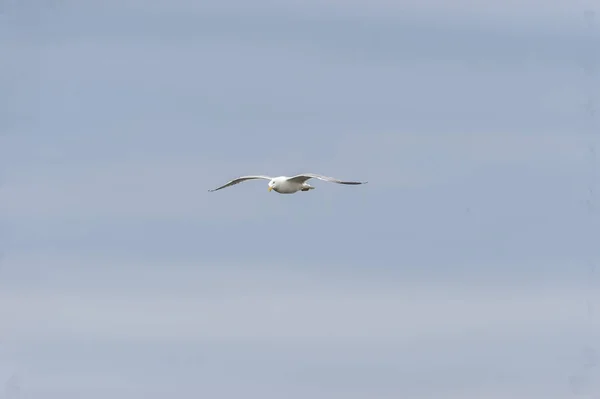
(288, 185)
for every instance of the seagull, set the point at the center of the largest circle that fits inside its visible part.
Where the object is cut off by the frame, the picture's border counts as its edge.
(288, 185)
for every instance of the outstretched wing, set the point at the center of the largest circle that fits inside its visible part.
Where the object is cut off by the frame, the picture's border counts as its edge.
(305, 176)
(239, 180)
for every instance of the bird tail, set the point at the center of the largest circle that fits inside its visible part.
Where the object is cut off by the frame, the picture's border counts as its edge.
(306, 187)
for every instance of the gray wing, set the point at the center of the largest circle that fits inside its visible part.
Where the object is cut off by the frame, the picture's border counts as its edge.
(305, 176)
(239, 180)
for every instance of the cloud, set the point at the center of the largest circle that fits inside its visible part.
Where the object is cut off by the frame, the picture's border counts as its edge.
(244, 300)
(135, 109)
(176, 188)
(160, 188)
(133, 328)
(428, 158)
(517, 12)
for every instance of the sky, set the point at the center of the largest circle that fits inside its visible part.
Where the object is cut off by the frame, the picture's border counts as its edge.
(466, 268)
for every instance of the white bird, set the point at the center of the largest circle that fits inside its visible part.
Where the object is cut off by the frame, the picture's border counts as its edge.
(288, 185)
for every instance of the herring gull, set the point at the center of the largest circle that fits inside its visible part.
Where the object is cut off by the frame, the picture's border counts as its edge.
(288, 185)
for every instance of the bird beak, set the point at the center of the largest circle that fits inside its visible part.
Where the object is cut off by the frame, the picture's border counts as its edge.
(270, 188)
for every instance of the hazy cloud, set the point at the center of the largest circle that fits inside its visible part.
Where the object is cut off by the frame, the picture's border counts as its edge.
(465, 268)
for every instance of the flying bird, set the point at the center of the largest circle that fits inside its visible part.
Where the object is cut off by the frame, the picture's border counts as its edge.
(288, 185)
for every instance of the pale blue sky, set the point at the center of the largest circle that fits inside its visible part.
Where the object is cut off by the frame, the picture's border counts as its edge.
(461, 270)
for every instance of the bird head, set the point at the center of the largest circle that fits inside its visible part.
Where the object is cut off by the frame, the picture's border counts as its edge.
(271, 185)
